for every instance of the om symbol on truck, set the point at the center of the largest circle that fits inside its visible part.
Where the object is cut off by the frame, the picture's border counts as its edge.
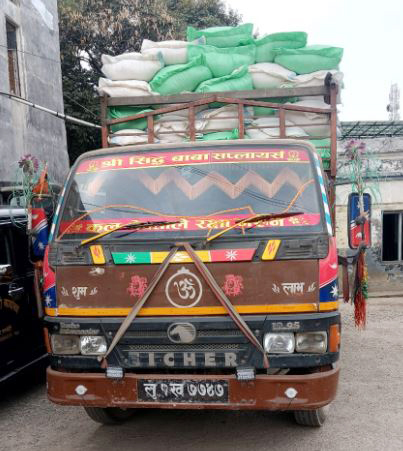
(183, 289)
(186, 289)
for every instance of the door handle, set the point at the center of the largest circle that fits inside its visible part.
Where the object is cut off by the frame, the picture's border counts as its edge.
(15, 291)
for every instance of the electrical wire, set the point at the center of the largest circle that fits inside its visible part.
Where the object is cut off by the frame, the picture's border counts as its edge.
(62, 116)
(81, 106)
(31, 54)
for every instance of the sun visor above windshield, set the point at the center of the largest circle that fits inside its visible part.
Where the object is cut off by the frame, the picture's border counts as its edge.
(188, 157)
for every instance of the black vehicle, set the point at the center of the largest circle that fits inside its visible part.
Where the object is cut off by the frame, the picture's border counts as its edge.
(21, 336)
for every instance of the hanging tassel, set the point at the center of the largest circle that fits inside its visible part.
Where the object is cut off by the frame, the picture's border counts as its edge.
(42, 186)
(361, 291)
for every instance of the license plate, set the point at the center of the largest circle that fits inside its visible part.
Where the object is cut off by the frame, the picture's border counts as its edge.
(186, 391)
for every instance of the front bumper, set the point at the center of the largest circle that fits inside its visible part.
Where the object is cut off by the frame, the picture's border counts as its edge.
(266, 392)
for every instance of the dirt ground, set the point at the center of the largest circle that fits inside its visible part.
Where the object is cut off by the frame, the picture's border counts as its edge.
(366, 415)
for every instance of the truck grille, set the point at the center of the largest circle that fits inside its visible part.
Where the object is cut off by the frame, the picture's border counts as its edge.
(163, 333)
(186, 347)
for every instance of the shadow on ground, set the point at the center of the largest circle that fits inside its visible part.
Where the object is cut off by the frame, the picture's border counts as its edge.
(22, 384)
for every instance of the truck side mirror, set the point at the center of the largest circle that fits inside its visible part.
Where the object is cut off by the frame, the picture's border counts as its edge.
(6, 273)
(359, 226)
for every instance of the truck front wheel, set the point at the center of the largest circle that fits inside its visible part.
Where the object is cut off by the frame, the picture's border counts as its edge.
(108, 415)
(314, 418)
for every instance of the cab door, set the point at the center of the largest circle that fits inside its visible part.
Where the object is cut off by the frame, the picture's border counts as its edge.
(10, 327)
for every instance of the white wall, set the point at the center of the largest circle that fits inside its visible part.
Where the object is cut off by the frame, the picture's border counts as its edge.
(387, 157)
(24, 130)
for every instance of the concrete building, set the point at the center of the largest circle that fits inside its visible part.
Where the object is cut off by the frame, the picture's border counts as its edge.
(30, 68)
(384, 142)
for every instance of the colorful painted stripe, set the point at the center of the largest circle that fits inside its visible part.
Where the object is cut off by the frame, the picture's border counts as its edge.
(213, 256)
(172, 311)
(328, 267)
(97, 254)
(271, 249)
(40, 231)
(324, 195)
(49, 283)
(329, 292)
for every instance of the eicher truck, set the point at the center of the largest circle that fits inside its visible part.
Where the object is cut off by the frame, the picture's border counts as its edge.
(198, 274)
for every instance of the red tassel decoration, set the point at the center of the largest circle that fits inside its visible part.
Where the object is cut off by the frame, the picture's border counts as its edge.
(361, 292)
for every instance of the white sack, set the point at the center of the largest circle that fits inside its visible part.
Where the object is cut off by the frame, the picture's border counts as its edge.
(314, 79)
(173, 52)
(147, 44)
(136, 137)
(124, 88)
(269, 75)
(176, 125)
(315, 124)
(131, 66)
(220, 119)
(272, 129)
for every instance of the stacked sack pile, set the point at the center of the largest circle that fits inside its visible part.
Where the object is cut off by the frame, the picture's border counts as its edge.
(215, 60)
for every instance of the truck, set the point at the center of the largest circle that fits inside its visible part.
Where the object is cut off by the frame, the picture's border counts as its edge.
(198, 274)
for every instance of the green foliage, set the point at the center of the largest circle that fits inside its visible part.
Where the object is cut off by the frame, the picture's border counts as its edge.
(89, 28)
(202, 14)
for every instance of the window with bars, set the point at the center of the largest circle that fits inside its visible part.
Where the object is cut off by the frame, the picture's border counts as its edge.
(12, 54)
(392, 233)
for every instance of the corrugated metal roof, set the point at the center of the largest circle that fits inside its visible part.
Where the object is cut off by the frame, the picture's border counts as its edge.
(370, 129)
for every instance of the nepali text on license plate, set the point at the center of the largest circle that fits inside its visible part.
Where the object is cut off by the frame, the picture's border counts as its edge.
(178, 390)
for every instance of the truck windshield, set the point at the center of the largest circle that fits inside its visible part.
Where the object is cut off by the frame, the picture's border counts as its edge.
(200, 192)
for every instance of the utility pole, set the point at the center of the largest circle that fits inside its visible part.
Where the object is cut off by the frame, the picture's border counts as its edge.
(394, 103)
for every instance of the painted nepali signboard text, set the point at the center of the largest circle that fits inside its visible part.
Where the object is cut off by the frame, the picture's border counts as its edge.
(192, 224)
(157, 159)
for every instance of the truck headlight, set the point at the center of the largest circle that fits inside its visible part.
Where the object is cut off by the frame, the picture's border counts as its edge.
(315, 342)
(65, 344)
(92, 345)
(281, 343)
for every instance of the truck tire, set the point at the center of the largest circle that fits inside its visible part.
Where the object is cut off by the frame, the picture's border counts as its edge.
(108, 415)
(313, 418)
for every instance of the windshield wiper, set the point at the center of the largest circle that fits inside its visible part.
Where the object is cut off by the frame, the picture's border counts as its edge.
(132, 227)
(255, 218)
(264, 216)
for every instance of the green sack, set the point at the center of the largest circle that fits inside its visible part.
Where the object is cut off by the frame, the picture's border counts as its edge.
(119, 112)
(263, 111)
(309, 59)
(223, 36)
(265, 45)
(238, 80)
(181, 77)
(222, 61)
(323, 148)
(228, 134)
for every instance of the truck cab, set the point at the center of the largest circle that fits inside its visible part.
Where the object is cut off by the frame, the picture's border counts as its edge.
(226, 250)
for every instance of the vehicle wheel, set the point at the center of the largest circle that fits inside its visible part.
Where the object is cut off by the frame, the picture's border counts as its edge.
(108, 415)
(314, 418)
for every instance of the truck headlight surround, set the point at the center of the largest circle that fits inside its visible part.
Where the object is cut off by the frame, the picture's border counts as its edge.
(92, 345)
(65, 344)
(279, 343)
(311, 342)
